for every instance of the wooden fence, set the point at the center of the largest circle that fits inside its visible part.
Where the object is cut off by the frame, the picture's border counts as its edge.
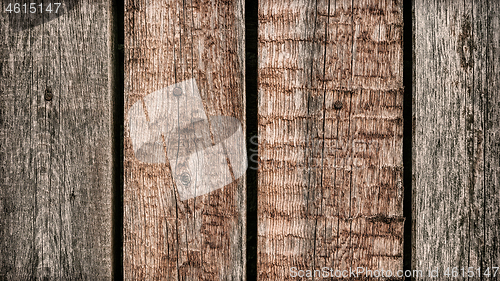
(122, 129)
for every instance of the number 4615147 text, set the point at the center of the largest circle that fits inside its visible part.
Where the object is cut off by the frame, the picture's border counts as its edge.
(32, 8)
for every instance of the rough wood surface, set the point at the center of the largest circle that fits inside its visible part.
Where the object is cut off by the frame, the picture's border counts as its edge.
(55, 155)
(456, 188)
(330, 136)
(166, 238)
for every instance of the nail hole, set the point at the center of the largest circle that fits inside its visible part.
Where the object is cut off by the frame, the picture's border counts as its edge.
(48, 94)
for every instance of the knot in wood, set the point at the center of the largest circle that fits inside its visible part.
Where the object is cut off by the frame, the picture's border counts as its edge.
(48, 94)
(177, 92)
(185, 178)
(338, 105)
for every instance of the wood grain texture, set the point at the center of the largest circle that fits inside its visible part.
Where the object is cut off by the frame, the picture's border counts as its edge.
(202, 238)
(55, 155)
(330, 136)
(456, 188)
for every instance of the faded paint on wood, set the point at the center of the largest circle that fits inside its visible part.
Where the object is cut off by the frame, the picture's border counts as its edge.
(456, 170)
(56, 153)
(330, 136)
(168, 42)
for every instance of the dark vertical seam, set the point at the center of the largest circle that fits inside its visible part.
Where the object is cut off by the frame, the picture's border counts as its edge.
(407, 133)
(117, 30)
(251, 96)
(408, 120)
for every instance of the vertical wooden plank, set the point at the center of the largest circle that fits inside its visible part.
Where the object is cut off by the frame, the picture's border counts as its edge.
(442, 74)
(168, 236)
(56, 155)
(455, 138)
(491, 103)
(17, 174)
(330, 137)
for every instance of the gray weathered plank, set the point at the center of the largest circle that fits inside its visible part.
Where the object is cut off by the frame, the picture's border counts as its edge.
(456, 188)
(56, 154)
(330, 136)
(490, 82)
(168, 42)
